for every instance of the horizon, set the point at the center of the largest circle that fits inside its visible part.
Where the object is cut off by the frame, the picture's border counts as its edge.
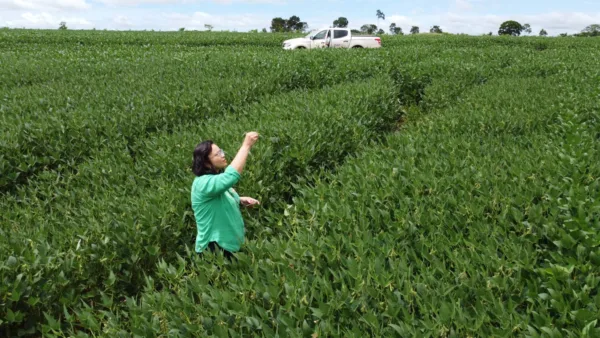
(471, 17)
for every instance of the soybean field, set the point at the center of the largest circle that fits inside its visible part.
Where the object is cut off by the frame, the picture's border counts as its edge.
(439, 186)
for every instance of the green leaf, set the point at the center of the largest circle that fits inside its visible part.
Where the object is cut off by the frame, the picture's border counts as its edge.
(221, 331)
(445, 312)
(317, 312)
(11, 261)
(254, 322)
(33, 301)
(568, 241)
(51, 321)
(111, 279)
(15, 296)
(584, 315)
(397, 328)
(370, 319)
(586, 332)
(550, 332)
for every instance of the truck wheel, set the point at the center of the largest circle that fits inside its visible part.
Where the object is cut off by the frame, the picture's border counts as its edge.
(357, 47)
(300, 47)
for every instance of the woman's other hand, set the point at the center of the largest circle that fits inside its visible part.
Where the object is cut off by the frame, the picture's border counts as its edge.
(248, 201)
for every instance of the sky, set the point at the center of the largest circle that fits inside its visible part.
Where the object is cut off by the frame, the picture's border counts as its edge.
(454, 16)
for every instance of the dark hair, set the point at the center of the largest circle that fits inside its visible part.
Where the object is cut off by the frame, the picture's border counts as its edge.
(201, 164)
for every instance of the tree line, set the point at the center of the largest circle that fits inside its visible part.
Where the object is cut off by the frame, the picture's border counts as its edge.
(510, 27)
(295, 25)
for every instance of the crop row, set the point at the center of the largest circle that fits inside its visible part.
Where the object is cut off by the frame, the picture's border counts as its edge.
(53, 115)
(122, 213)
(477, 219)
(18, 38)
(107, 227)
(453, 42)
(59, 124)
(79, 241)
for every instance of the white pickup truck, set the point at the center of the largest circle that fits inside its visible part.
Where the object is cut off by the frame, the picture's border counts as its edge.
(333, 38)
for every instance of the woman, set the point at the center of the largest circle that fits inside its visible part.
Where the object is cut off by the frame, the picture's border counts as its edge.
(215, 203)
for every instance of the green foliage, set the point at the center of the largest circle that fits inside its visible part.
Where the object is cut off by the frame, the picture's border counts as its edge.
(445, 185)
(435, 29)
(293, 24)
(341, 22)
(368, 29)
(79, 120)
(589, 31)
(511, 27)
(395, 30)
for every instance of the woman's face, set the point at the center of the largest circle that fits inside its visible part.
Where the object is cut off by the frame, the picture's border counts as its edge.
(217, 158)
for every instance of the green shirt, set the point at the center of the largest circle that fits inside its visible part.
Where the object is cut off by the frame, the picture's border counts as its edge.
(217, 211)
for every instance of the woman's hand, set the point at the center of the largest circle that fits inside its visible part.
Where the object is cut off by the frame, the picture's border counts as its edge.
(251, 138)
(248, 201)
(239, 161)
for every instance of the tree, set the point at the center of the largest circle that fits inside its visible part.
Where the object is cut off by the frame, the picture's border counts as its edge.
(435, 29)
(182, 29)
(278, 25)
(414, 30)
(368, 29)
(595, 28)
(543, 32)
(264, 30)
(380, 15)
(62, 26)
(340, 22)
(380, 32)
(395, 30)
(591, 30)
(208, 27)
(527, 28)
(510, 28)
(293, 24)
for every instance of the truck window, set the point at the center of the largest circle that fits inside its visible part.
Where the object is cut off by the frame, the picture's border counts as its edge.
(338, 34)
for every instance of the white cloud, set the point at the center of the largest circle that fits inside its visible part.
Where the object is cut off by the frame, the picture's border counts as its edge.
(122, 21)
(197, 20)
(555, 21)
(454, 22)
(184, 2)
(464, 5)
(49, 13)
(417, 11)
(401, 20)
(272, 2)
(147, 2)
(44, 5)
(46, 20)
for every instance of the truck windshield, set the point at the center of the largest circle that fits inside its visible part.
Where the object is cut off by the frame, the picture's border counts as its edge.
(320, 35)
